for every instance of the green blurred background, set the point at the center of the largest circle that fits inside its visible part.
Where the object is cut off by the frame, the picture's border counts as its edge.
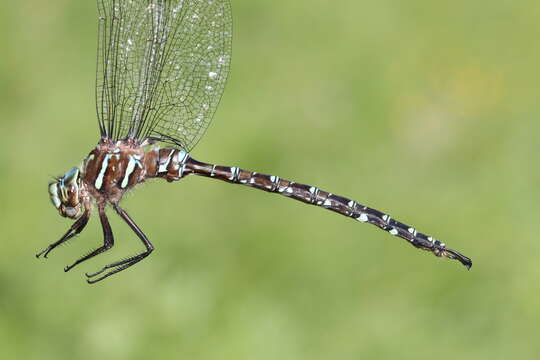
(425, 109)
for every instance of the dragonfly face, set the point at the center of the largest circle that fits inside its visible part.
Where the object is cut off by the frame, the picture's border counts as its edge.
(65, 194)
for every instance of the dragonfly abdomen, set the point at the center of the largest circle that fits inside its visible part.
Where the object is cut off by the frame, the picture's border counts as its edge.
(175, 164)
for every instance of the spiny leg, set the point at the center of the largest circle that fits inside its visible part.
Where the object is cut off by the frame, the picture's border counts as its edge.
(76, 228)
(108, 240)
(126, 263)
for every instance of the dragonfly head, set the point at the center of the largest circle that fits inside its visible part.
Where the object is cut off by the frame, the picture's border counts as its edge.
(65, 194)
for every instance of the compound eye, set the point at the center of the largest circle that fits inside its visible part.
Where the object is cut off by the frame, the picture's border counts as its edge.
(71, 176)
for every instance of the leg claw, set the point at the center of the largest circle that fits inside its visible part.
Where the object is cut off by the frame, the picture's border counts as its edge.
(96, 273)
(45, 252)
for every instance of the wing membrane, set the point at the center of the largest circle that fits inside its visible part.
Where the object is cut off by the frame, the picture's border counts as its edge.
(162, 67)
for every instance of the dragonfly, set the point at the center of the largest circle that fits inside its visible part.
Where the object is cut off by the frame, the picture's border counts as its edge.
(162, 66)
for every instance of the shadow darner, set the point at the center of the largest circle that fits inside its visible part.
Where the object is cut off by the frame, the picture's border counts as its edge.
(161, 70)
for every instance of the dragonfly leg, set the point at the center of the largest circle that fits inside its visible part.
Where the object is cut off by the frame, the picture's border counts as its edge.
(126, 263)
(108, 240)
(76, 228)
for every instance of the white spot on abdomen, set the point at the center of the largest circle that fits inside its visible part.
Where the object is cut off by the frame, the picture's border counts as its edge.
(363, 217)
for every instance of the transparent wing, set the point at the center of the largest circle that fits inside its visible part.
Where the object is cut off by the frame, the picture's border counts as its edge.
(161, 68)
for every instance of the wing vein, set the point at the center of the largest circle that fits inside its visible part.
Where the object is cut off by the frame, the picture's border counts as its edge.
(161, 67)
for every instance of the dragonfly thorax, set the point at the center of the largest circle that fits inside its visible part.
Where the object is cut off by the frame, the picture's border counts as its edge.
(66, 194)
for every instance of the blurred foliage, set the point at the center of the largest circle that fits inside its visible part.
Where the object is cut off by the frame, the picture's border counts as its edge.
(425, 109)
